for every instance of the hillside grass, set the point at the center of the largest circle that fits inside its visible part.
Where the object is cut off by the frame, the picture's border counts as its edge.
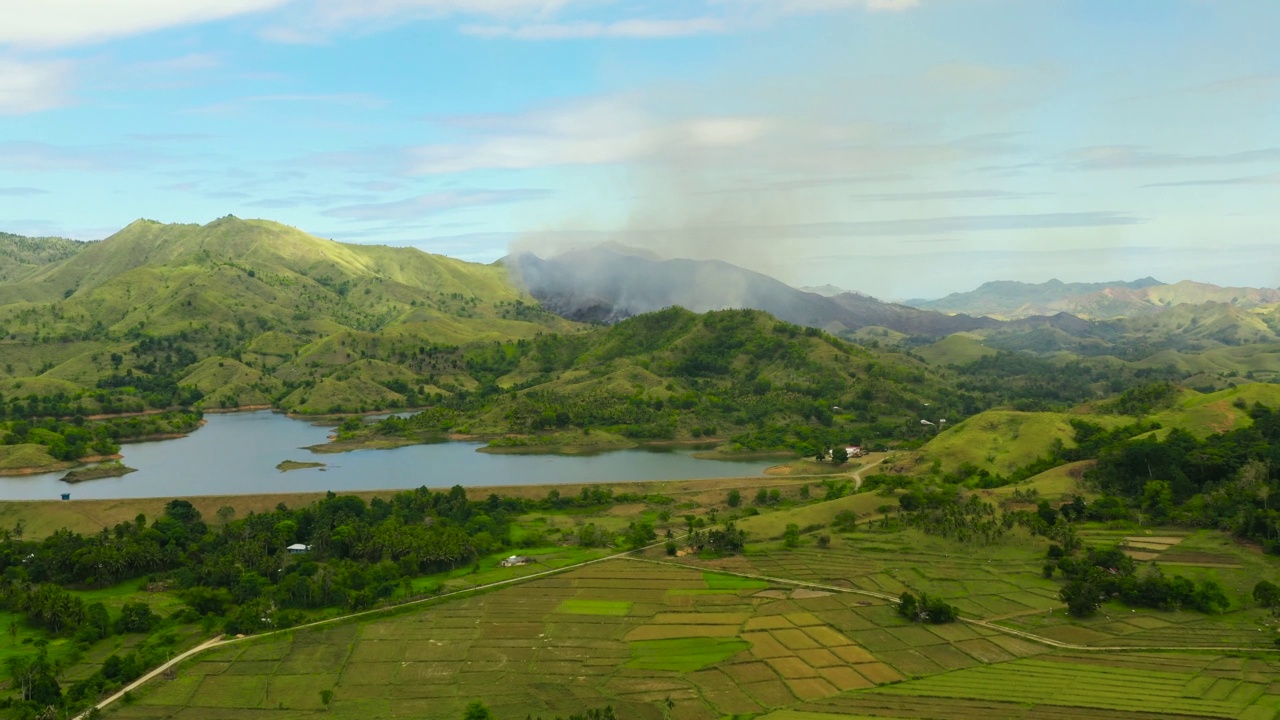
(956, 349)
(1001, 441)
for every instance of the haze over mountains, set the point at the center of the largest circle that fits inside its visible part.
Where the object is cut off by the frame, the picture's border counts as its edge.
(1011, 300)
(607, 283)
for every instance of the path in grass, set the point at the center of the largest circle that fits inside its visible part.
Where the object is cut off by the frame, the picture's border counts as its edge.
(857, 474)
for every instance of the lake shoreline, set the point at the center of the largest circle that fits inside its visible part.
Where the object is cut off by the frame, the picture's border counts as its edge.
(238, 454)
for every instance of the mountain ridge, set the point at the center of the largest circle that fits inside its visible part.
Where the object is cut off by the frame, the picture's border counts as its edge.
(1013, 300)
(600, 285)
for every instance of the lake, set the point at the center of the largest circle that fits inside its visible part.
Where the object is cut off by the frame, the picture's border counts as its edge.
(237, 453)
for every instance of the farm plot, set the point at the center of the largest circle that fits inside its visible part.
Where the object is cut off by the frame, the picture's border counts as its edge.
(625, 633)
(1000, 581)
(1169, 686)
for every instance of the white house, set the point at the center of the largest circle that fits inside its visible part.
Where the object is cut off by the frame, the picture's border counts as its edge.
(515, 560)
(298, 548)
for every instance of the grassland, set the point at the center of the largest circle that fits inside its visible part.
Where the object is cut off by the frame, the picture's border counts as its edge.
(1001, 441)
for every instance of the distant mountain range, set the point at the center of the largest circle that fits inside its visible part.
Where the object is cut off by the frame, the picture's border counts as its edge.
(608, 283)
(1008, 300)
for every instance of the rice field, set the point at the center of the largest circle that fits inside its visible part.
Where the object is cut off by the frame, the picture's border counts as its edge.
(634, 633)
(623, 632)
(1169, 686)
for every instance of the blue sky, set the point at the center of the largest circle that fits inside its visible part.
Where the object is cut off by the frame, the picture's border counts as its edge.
(905, 148)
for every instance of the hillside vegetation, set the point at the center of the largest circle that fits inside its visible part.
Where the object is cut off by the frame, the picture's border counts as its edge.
(20, 256)
(246, 312)
(673, 374)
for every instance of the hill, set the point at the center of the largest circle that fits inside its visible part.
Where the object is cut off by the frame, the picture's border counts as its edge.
(1097, 301)
(249, 311)
(1004, 441)
(21, 255)
(676, 375)
(604, 284)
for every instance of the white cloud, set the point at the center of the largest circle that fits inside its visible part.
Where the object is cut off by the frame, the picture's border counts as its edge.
(600, 131)
(644, 29)
(27, 87)
(60, 23)
(316, 20)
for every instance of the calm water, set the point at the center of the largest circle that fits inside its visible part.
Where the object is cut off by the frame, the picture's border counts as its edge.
(237, 454)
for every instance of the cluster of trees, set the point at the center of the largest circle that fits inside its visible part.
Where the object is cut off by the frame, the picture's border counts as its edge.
(1225, 480)
(360, 553)
(723, 540)
(926, 609)
(237, 574)
(77, 438)
(1103, 574)
(1026, 382)
(943, 513)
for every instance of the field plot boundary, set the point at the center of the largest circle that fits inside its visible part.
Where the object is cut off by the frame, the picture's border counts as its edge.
(222, 641)
(970, 621)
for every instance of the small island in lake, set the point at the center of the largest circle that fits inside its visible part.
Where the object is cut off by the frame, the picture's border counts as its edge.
(288, 465)
(113, 468)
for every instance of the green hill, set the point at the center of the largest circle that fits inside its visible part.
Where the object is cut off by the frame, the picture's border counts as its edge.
(677, 375)
(957, 349)
(21, 256)
(277, 309)
(1001, 441)
(1204, 414)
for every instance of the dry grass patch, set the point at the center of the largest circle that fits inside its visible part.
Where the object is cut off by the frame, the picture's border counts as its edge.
(791, 667)
(844, 678)
(803, 619)
(812, 688)
(947, 657)
(764, 645)
(768, 622)
(819, 657)
(749, 672)
(701, 618)
(794, 639)
(984, 651)
(911, 663)
(770, 694)
(853, 654)
(827, 636)
(878, 673)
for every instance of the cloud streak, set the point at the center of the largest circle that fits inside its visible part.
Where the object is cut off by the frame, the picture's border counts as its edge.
(1121, 157)
(1271, 179)
(21, 191)
(588, 30)
(31, 86)
(62, 23)
(433, 203)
